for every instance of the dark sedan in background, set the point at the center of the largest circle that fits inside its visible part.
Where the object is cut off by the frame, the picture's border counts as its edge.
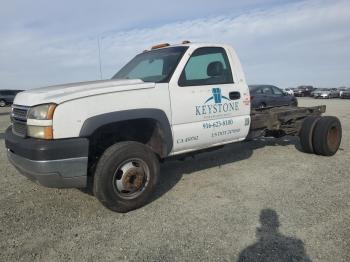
(269, 96)
(302, 91)
(7, 96)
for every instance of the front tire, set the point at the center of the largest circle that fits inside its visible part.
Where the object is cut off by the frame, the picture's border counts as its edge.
(126, 176)
(2, 103)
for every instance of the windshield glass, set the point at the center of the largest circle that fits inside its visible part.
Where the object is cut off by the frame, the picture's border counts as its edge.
(153, 66)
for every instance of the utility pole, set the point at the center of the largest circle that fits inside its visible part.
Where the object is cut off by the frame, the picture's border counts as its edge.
(99, 56)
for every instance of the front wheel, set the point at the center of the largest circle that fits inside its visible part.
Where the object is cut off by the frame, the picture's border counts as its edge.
(2, 103)
(126, 176)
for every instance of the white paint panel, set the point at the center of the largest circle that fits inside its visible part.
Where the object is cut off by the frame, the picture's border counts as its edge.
(193, 107)
(69, 116)
(62, 93)
(197, 135)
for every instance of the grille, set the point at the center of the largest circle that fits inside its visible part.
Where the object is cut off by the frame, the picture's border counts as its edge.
(19, 120)
(19, 129)
(19, 113)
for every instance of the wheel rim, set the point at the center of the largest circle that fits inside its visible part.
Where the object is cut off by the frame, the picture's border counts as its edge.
(131, 178)
(2, 103)
(333, 137)
(262, 106)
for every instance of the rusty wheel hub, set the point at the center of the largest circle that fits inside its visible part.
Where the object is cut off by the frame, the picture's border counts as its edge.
(131, 178)
(333, 137)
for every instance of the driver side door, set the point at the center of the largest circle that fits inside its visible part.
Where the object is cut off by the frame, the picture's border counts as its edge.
(206, 102)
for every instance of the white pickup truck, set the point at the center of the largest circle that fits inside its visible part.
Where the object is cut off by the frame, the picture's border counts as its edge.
(167, 101)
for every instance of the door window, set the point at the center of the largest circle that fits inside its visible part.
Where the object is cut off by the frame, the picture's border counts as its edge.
(207, 66)
(267, 90)
(277, 91)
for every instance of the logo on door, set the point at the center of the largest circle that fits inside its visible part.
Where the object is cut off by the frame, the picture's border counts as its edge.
(217, 96)
(222, 105)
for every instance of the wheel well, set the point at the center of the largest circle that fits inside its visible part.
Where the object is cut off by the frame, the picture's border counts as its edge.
(145, 130)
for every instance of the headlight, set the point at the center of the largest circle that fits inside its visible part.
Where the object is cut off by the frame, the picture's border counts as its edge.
(42, 112)
(39, 121)
(42, 132)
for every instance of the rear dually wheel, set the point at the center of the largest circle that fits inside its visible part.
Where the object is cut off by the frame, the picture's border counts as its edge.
(306, 133)
(327, 136)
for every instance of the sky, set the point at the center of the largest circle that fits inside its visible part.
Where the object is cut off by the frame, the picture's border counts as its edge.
(286, 43)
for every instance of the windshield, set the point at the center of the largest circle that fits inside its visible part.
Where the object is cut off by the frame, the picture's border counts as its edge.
(153, 66)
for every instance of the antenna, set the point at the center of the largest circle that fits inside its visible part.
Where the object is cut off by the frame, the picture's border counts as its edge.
(99, 56)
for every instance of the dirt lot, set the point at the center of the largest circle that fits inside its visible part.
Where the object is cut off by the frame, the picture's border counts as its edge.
(262, 199)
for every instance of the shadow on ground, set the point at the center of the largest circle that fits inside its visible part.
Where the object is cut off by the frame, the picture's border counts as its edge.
(2, 136)
(271, 245)
(4, 113)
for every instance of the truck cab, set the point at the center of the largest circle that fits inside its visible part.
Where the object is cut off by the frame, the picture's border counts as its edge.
(200, 87)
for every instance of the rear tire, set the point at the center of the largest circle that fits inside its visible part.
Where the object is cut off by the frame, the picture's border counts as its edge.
(327, 136)
(2, 103)
(126, 176)
(306, 133)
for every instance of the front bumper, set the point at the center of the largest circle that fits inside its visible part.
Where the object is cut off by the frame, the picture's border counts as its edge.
(52, 163)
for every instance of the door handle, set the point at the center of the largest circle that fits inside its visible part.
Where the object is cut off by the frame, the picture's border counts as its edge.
(235, 95)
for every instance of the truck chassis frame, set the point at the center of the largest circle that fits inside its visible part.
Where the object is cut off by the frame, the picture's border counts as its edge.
(281, 121)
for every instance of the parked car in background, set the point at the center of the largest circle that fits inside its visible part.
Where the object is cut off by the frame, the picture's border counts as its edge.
(336, 92)
(341, 90)
(268, 96)
(316, 92)
(346, 93)
(302, 91)
(289, 91)
(7, 96)
(326, 93)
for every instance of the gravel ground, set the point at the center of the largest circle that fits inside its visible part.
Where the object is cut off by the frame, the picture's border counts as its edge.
(262, 199)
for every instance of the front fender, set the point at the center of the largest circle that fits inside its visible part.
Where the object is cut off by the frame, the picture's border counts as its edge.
(93, 123)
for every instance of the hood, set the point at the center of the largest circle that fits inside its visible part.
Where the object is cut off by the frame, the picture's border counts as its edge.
(62, 93)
